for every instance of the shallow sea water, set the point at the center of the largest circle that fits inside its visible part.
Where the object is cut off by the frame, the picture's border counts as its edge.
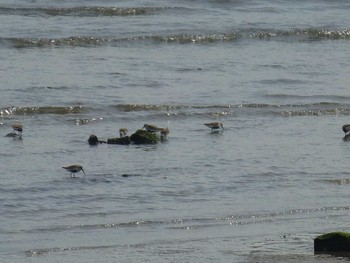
(261, 190)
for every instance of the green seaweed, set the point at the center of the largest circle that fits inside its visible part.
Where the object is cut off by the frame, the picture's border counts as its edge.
(332, 234)
(144, 137)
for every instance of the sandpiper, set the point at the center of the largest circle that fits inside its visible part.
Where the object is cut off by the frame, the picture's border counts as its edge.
(346, 128)
(214, 125)
(151, 128)
(17, 127)
(74, 169)
(164, 132)
(123, 132)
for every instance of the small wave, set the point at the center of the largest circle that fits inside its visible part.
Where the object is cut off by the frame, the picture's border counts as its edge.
(44, 251)
(48, 87)
(101, 226)
(304, 34)
(95, 41)
(282, 81)
(284, 110)
(340, 181)
(170, 107)
(199, 222)
(196, 39)
(41, 110)
(82, 11)
(313, 112)
(287, 213)
(56, 42)
(301, 97)
(148, 107)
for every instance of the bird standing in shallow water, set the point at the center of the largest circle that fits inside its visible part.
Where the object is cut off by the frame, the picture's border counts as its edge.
(214, 125)
(75, 168)
(123, 132)
(17, 127)
(164, 132)
(346, 128)
(151, 128)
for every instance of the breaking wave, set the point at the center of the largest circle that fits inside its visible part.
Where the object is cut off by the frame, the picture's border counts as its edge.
(284, 110)
(40, 110)
(94, 41)
(82, 11)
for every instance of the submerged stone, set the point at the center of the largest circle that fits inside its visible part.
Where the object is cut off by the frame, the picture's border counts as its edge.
(332, 243)
(122, 141)
(144, 137)
(93, 140)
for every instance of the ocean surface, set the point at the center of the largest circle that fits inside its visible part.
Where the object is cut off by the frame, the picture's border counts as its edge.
(275, 73)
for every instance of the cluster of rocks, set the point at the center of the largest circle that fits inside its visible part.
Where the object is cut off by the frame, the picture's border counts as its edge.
(147, 135)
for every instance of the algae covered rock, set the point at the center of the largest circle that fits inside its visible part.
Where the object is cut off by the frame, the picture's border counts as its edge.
(93, 140)
(122, 141)
(331, 243)
(144, 137)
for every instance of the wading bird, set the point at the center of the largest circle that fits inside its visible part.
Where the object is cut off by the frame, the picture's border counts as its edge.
(214, 125)
(17, 127)
(123, 132)
(346, 128)
(151, 128)
(75, 168)
(164, 132)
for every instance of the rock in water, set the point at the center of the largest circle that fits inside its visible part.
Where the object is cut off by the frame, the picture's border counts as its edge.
(93, 140)
(144, 137)
(122, 141)
(332, 243)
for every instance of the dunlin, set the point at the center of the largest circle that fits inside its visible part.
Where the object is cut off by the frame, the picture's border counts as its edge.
(164, 132)
(214, 125)
(123, 132)
(151, 128)
(17, 127)
(346, 128)
(75, 168)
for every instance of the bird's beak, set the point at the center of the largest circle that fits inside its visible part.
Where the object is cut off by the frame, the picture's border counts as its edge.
(83, 171)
